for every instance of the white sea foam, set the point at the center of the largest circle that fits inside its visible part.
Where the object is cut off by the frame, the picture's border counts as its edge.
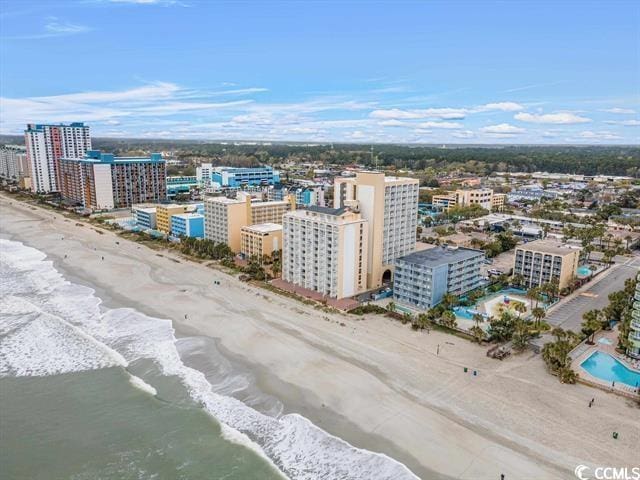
(50, 326)
(142, 385)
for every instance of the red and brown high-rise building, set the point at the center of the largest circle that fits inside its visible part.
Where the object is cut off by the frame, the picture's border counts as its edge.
(46, 145)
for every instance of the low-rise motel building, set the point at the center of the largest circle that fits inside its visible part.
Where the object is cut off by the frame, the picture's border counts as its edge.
(423, 277)
(102, 181)
(484, 197)
(145, 216)
(225, 217)
(325, 250)
(543, 261)
(164, 214)
(187, 225)
(262, 239)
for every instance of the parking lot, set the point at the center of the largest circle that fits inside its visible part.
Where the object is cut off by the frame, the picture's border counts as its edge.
(594, 295)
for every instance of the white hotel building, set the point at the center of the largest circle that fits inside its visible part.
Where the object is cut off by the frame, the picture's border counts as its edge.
(325, 250)
(46, 145)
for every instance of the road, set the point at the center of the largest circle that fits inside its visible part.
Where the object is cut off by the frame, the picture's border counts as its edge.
(594, 295)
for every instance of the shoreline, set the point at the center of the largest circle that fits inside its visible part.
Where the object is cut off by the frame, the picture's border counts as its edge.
(374, 383)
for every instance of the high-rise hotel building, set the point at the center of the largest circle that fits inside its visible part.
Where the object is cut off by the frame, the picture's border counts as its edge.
(390, 206)
(102, 181)
(325, 250)
(225, 217)
(46, 145)
(544, 261)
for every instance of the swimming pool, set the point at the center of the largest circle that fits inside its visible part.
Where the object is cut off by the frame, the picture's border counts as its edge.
(607, 368)
(584, 271)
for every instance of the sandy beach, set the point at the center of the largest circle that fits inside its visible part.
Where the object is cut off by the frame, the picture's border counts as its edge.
(369, 380)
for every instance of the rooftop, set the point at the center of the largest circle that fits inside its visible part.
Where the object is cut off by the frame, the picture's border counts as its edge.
(96, 156)
(548, 246)
(327, 210)
(264, 227)
(434, 257)
(188, 215)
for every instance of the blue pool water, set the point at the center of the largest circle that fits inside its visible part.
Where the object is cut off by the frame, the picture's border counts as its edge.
(607, 368)
(466, 312)
(584, 271)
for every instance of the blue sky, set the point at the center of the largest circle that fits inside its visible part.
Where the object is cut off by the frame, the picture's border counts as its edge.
(380, 71)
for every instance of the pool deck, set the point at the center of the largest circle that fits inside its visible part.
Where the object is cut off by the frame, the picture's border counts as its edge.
(584, 351)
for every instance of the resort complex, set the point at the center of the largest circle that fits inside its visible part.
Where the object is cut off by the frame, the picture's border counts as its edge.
(341, 257)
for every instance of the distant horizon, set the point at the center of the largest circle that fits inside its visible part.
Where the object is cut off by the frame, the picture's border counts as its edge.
(491, 72)
(317, 143)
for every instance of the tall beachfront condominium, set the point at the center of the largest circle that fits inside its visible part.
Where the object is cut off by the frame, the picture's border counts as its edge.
(14, 164)
(390, 206)
(542, 261)
(325, 250)
(225, 217)
(101, 181)
(422, 278)
(485, 197)
(46, 145)
(634, 333)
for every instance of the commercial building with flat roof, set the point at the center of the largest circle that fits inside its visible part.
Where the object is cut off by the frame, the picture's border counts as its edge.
(187, 225)
(14, 164)
(423, 277)
(145, 217)
(543, 261)
(225, 217)
(484, 197)
(390, 206)
(325, 250)
(102, 181)
(164, 214)
(233, 177)
(260, 240)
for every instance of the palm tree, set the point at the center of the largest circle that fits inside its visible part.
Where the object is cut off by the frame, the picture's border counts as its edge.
(520, 308)
(592, 323)
(477, 333)
(448, 319)
(448, 301)
(391, 306)
(533, 294)
(538, 313)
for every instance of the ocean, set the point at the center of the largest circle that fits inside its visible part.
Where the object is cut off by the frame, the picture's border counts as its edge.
(90, 392)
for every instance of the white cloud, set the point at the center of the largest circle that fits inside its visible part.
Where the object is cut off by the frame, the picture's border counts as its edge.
(446, 125)
(64, 28)
(625, 123)
(601, 135)
(53, 28)
(500, 106)
(622, 111)
(392, 123)
(502, 129)
(436, 113)
(446, 113)
(463, 134)
(560, 118)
